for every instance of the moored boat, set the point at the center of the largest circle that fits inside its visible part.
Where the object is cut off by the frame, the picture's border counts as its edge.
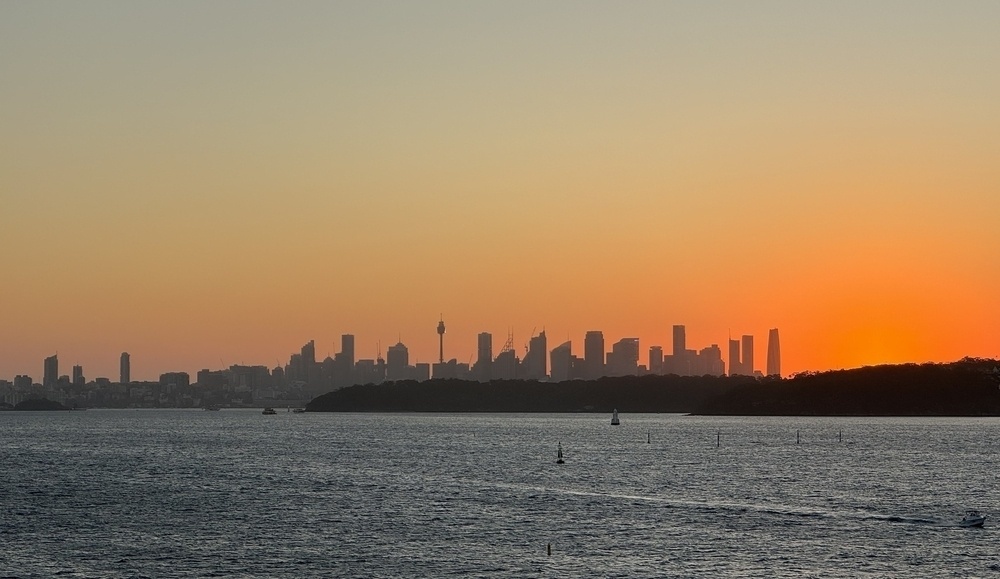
(269, 410)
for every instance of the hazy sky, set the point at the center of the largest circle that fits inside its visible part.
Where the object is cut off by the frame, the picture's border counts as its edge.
(210, 183)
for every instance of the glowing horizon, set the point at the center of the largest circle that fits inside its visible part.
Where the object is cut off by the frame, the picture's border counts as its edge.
(207, 185)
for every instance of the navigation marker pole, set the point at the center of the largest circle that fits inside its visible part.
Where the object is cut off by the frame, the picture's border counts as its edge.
(718, 439)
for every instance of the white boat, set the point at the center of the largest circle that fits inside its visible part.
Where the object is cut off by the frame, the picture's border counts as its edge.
(614, 418)
(973, 518)
(269, 410)
(559, 457)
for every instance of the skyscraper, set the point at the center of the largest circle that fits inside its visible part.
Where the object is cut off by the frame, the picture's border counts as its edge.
(735, 368)
(624, 358)
(309, 354)
(593, 354)
(78, 379)
(773, 353)
(51, 371)
(679, 342)
(709, 361)
(397, 362)
(562, 362)
(535, 362)
(747, 358)
(484, 361)
(347, 349)
(341, 371)
(311, 371)
(125, 369)
(655, 359)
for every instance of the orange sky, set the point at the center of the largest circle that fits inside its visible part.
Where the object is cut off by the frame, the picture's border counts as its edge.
(204, 185)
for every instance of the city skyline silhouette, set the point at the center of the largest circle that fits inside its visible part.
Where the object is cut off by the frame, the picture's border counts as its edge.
(591, 359)
(202, 186)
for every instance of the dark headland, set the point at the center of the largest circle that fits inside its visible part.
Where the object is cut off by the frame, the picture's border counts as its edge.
(43, 404)
(969, 387)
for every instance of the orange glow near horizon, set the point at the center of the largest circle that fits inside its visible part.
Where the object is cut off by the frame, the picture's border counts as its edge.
(202, 189)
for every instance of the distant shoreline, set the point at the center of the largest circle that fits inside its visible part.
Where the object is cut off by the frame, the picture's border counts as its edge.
(969, 387)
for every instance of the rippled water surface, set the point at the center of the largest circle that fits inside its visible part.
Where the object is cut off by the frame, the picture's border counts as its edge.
(172, 493)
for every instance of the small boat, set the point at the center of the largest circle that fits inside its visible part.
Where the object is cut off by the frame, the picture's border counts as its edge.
(298, 410)
(559, 457)
(973, 518)
(614, 418)
(269, 410)
(212, 408)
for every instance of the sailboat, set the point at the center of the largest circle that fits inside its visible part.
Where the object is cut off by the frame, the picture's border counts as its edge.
(614, 418)
(559, 458)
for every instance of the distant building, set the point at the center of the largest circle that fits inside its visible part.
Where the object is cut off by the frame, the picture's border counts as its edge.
(347, 351)
(364, 371)
(656, 359)
(593, 354)
(312, 373)
(562, 362)
(773, 353)
(213, 379)
(398, 362)
(125, 369)
(709, 362)
(484, 360)
(451, 370)
(505, 365)
(735, 367)
(445, 370)
(175, 379)
(295, 371)
(680, 342)
(624, 358)
(78, 379)
(309, 354)
(278, 377)
(249, 378)
(746, 360)
(340, 372)
(51, 372)
(535, 364)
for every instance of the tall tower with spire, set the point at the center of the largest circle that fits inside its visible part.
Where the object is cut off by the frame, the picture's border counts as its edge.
(441, 340)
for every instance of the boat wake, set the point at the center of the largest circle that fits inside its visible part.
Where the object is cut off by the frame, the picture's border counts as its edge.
(728, 507)
(912, 520)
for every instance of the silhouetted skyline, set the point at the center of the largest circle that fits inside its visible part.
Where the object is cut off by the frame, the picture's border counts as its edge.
(304, 375)
(623, 359)
(203, 187)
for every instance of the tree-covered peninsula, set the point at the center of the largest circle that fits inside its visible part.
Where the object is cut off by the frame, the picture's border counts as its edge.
(970, 387)
(43, 404)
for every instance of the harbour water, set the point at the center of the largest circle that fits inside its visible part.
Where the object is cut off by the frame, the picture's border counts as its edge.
(185, 493)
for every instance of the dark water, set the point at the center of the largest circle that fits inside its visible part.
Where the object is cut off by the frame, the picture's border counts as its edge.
(167, 493)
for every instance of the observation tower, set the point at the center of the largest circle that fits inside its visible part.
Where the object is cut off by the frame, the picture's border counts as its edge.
(441, 340)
